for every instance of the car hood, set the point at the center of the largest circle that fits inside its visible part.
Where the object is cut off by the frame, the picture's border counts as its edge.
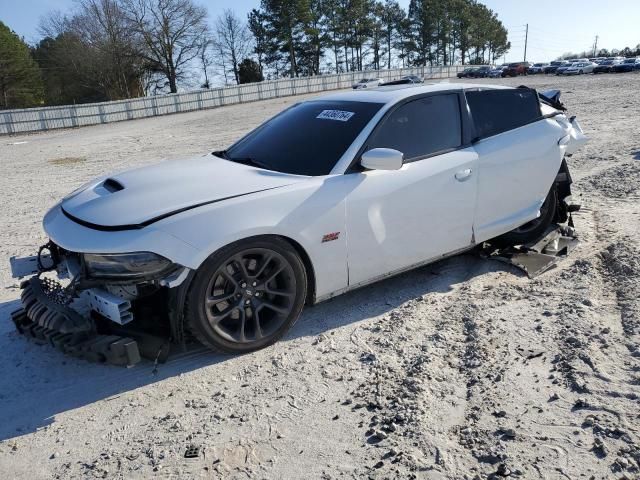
(139, 197)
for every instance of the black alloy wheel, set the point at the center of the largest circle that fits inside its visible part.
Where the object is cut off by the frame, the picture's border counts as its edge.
(247, 295)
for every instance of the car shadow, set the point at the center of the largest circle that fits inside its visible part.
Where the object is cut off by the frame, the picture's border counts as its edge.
(39, 382)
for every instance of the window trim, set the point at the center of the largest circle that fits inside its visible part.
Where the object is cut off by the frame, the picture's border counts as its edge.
(466, 128)
(476, 138)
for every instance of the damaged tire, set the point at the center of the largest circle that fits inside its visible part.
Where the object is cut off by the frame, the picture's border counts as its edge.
(247, 295)
(534, 229)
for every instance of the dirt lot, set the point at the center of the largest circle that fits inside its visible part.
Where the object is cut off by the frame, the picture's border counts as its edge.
(461, 370)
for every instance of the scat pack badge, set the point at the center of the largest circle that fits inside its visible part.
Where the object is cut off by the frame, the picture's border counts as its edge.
(330, 237)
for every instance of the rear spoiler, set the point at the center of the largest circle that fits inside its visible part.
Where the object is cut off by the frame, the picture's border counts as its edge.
(549, 97)
(552, 98)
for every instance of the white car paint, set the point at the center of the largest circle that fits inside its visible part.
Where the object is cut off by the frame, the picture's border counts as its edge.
(401, 218)
(389, 220)
(519, 165)
(580, 67)
(167, 187)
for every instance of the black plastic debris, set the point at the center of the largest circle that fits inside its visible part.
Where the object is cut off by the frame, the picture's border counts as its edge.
(192, 452)
(537, 258)
(46, 318)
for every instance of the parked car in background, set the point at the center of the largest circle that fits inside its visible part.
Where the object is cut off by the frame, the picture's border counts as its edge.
(466, 72)
(579, 68)
(481, 72)
(413, 79)
(367, 83)
(562, 69)
(605, 66)
(553, 66)
(515, 69)
(627, 65)
(407, 79)
(496, 72)
(537, 68)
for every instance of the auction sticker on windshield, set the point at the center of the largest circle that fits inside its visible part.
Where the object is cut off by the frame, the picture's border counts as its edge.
(339, 115)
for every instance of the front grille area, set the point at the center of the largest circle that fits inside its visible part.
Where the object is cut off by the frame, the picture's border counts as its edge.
(46, 317)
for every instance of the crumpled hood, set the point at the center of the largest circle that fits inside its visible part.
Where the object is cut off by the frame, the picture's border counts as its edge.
(135, 198)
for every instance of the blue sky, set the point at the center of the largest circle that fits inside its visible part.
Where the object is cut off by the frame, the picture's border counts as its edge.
(555, 26)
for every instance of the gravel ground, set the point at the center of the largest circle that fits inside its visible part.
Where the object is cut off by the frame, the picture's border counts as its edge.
(464, 369)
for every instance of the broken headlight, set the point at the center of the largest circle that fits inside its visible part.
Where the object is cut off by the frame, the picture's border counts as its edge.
(137, 265)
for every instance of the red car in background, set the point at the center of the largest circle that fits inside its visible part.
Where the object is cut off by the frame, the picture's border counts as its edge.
(515, 69)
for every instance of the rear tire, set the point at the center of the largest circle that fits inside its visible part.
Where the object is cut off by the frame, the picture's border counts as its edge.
(534, 229)
(246, 295)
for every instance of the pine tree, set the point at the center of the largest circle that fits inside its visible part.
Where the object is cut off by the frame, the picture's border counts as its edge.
(20, 81)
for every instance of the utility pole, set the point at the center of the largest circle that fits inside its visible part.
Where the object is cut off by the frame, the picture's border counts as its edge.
(526, 38)
(595, 46)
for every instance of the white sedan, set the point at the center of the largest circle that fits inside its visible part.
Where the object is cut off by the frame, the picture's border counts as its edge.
(367, 83)
(580, 67)
(331, 194)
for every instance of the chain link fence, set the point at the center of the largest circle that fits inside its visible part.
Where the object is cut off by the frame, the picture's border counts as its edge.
(66, 116)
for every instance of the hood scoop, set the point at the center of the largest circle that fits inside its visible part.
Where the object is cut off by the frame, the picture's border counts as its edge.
(112, 186)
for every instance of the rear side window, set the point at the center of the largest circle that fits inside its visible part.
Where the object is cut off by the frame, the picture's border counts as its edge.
(497, 111)
(421, 127)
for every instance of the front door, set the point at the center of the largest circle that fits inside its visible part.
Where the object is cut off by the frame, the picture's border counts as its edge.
(397, 219)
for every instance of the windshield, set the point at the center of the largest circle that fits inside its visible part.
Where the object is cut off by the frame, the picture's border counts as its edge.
(630, 60)
(306, 139)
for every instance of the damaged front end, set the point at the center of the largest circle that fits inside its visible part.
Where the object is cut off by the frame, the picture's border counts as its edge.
(110, 308)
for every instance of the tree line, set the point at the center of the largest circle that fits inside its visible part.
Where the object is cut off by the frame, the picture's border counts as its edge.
(115, 49)
(309, 37)
(603, 52)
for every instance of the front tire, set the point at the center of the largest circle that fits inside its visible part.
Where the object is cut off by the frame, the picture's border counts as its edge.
(247, 295)
(534, 229)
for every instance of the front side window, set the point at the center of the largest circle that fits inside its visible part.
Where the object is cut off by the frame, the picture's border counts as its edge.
(307, 139)
(497, 111)
(421, 127)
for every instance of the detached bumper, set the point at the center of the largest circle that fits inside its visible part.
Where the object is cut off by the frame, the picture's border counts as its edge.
(46, 318)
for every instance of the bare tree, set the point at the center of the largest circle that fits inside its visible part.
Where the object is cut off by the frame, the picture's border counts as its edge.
(172, 32)
(206, 60)
(233, 39)
(220, 60)
(103, 27)
(90, 54)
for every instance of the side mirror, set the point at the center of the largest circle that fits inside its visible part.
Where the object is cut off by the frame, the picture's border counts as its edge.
(382, 159)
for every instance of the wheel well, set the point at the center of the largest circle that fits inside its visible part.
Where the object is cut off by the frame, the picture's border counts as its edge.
(308, 266)
(178, 295)
(562, 184)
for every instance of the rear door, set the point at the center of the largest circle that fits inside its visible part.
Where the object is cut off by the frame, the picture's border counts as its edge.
(400, 218)
(519, 158)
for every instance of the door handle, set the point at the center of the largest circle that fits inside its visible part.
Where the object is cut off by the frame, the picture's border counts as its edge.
(463, 175)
